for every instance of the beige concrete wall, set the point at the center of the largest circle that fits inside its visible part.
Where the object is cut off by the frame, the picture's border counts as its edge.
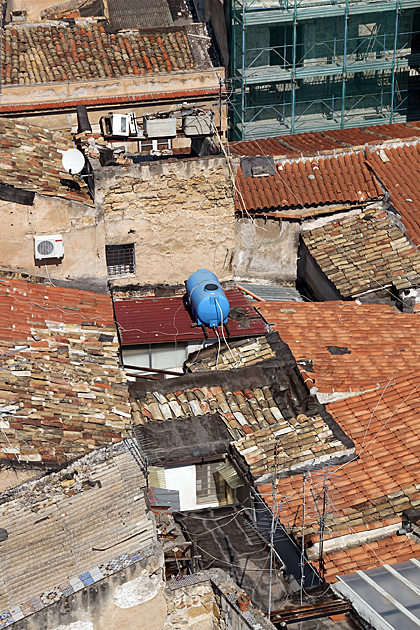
(133, 85)
(266, 250)
(179, 214)
(81, 227)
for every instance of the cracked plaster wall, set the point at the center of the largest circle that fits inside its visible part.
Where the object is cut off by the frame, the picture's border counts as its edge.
(178, 213)
(81, 227)
(266, 250)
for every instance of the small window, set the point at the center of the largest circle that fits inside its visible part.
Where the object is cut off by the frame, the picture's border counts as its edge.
(210, 485)
(120, 259)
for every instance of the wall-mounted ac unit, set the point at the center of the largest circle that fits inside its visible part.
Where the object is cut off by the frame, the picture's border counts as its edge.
(49, 247)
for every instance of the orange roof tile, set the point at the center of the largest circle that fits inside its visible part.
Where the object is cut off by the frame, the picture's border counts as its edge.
(314, 142)
(85, 51)
(373, 490)
(342, 179)
(378, 342)
(389, 550)
(62, 392)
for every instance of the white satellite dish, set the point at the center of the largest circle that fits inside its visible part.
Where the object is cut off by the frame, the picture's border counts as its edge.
(73, 161)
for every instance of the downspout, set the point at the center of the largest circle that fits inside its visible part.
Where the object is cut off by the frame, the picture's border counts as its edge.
(394, 61)
(344, 78)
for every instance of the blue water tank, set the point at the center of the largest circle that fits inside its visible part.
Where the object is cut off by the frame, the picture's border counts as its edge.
(207, 299)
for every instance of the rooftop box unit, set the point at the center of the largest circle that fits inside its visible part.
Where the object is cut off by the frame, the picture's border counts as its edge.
(201, 125)
(49, 247)
(160, 127)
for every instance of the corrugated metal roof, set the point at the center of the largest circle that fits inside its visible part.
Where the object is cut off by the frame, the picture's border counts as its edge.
(386, 597)
(139, 14)
(159, 320)
(273, 293)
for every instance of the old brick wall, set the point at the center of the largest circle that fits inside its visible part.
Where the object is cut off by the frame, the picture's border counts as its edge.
(179, 214)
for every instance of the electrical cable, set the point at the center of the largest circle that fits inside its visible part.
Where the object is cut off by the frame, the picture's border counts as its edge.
(299, 203)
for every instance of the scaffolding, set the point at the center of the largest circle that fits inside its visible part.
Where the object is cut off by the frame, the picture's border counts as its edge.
(305, 65)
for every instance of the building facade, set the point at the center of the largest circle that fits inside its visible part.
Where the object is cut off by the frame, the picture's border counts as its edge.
(313, 65)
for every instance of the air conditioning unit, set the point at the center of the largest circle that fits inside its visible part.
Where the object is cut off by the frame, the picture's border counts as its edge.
(49, 247)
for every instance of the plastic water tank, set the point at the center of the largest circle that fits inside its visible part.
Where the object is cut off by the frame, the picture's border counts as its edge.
(207, 299)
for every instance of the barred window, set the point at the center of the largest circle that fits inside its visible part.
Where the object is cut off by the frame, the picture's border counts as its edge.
(120, 259)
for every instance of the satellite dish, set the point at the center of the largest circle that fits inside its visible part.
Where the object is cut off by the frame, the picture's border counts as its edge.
(73, 161)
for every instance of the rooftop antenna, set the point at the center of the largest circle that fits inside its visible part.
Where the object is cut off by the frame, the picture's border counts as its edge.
(273, 526)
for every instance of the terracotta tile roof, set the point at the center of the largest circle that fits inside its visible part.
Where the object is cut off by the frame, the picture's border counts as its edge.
(54, 522)
(154, 320)
(257, 419)
(60, 52)
(31, 159)
(389, 550)
(334, 180)
(373, 490)
(398, 169)
(376, 341)
(62, 392)
(314, 142)
(361, 252)
(244, 352)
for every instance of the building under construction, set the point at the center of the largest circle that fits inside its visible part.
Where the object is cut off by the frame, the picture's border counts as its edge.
(307, 65)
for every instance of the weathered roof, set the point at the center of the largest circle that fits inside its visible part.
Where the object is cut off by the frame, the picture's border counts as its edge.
(62, 392)
(345, 346)
(373, 490)
(241, 353)
(41, 53)
(236, 546)
(325, 141)
(266, 426)
(157, 320)
(273, 292)
(341, 179)
(364, 251)
(184, 439)
(62, 538)
(398, 169)
(387, 550)
(31, 159)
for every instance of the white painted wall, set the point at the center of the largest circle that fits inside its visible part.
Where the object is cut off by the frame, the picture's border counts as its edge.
(183, 479)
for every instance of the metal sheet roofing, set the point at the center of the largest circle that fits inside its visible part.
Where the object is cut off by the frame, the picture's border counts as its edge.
(139, 14)
(160, 320)
(273, 292)
(386, 597)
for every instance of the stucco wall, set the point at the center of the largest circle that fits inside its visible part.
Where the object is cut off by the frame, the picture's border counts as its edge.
(179, 214)
(132, 599)
(81, 227)
(266, 250)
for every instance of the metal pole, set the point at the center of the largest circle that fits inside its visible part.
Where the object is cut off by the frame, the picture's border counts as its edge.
(294, 66)
(302, 556)
(344, 76)
(243, 111)
(273, 523)
(397, 12)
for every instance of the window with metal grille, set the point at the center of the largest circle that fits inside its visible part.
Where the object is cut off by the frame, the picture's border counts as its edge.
(120, 259)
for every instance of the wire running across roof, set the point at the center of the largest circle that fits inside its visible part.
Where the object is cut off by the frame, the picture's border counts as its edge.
(160, 320)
